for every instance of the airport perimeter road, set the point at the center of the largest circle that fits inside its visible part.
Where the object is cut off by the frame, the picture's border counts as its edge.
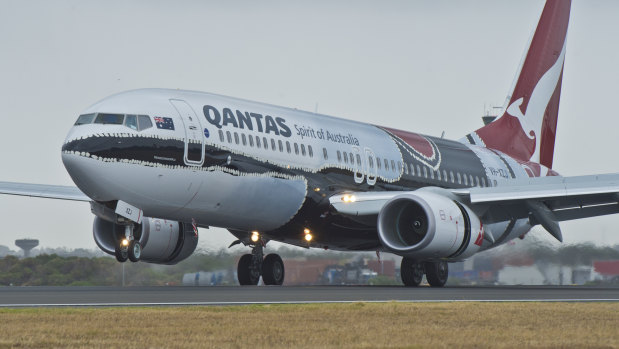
(128, 296)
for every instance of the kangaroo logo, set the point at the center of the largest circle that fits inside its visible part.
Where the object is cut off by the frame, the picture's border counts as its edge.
(531, 120)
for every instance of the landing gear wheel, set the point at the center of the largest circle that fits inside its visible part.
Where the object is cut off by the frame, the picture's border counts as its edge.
(437, 273)
(411, 272)
(273, 270)
(134, 251)
(121, 254)
(246, 274)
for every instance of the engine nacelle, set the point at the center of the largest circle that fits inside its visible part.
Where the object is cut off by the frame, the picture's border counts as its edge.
(428, 225)
(163, 241)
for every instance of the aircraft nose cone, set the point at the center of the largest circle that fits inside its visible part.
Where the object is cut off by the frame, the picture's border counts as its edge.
(89, 174)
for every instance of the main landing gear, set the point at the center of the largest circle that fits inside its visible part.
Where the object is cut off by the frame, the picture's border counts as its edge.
(252, 266)
(128, 248)
(412, 272)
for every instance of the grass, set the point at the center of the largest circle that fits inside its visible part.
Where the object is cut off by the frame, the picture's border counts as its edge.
(358, 325)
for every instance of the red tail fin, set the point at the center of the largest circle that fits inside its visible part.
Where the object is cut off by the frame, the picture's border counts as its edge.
(528, 126)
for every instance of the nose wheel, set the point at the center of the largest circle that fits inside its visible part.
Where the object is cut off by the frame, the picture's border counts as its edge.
(128, 248)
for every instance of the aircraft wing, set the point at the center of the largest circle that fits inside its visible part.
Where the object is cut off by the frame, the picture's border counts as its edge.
(43, 191)
(545, 200)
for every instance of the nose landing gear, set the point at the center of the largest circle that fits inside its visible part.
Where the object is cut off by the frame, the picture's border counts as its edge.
(128, 248)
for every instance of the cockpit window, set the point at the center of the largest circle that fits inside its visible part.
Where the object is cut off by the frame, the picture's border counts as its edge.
(114, 119)
(131, 121)
(85, 119)
(144, 122)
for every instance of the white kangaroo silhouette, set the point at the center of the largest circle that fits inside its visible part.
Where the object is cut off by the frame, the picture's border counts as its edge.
(531, 121)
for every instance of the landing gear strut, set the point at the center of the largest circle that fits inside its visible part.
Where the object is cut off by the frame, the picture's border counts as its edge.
(252, 266)
(412, 272)
(128, 248)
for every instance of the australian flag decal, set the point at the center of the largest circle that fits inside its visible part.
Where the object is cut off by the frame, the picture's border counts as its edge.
(164, 123)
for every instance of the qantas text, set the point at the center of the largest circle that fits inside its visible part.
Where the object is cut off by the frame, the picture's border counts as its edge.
(239, 119)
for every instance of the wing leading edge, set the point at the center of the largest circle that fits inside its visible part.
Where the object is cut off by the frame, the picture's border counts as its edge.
(43, 191)
(545, 200)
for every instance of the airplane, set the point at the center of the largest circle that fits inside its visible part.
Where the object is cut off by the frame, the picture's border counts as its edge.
(157, 164)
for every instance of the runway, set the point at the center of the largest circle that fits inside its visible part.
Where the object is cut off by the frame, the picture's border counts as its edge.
(234, 295)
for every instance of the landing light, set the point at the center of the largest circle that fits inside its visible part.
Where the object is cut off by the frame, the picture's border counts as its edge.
(255, 236)
(125, 242)
(308, 237)
(349, 198)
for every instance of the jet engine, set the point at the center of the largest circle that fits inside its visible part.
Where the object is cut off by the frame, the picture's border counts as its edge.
(163, 241)
(428, 225)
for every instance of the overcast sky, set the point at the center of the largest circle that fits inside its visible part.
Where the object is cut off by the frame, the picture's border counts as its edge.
(423, 66)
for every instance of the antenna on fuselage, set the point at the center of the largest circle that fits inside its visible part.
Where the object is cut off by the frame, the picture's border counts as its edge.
(316, 108)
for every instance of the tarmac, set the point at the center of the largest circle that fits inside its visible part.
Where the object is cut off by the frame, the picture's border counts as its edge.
(235, 295)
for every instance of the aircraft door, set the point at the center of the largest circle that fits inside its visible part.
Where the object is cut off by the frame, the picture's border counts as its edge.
(370, 166)
(194, 140)
(358, 163)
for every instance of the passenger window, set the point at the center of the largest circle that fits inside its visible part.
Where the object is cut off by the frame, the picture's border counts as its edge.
(345, 157)
(378, 162)
(273, 145)
(431, 174)
(438, 175)
(358, 160)
(84, 119)
(251, 140)
(412, 170)
(465, 179)
(324, 153)
(477, 181)
(445, 175)
(459, 178)
(109, 119)
(257, 142)
(399, 167)
(296, 148)
(229, 136)
(393, 165)
(236, 138)
(352, 158)
(310, 151)
(339, 156)
(131, 121)
(405, 168)
(288, 149)
(303, 149)
(243, 139)
(483, 182)
(221, 135)
(425, 172)
(386, 164)
(471, 180)
(265, 143)
(451, 177)
(281, 146)
(371, 161)
(144, 122)
(418, 170)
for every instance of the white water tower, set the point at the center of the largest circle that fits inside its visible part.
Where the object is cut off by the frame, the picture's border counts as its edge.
(27, 245)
